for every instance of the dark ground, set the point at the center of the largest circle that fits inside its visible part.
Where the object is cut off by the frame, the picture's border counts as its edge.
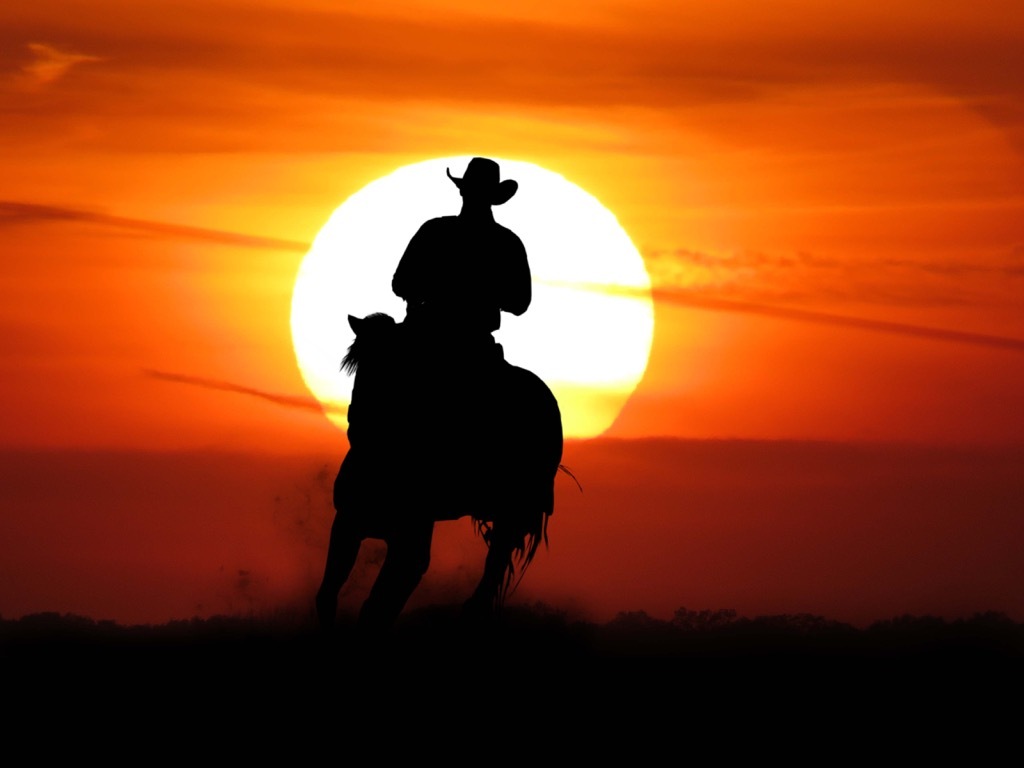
(535, 635)
(537, 678)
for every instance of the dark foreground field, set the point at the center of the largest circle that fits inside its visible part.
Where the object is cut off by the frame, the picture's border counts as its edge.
(707, 685)
(757, 685)
(437, 641)
(535, 635)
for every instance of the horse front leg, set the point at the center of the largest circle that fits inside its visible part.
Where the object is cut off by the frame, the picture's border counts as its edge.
(342, 552)
(405, 563)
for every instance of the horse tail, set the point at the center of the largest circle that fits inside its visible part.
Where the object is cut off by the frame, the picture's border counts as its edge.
(524, 552)
(537, 417)
(563, 468)
(526, 526)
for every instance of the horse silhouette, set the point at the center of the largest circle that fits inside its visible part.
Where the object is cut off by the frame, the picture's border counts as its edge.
(435, 435)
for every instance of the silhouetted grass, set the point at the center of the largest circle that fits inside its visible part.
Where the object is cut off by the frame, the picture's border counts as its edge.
(532, 632)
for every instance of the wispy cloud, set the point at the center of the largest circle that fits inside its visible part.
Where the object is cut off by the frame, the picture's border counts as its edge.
(804, 277)
(701, 300)
(49, 64)
(301, 402)
(212, 62)
(12, 212)
(826, 318)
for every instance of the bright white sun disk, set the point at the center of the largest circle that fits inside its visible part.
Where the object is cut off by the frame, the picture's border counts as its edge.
(587, 332)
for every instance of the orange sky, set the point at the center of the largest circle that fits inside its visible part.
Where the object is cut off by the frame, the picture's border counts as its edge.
(829, 199)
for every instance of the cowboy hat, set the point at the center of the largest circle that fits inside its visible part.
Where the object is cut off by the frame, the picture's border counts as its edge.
(481, 180)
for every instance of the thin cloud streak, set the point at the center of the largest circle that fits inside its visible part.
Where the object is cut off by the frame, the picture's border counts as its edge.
(13, 212)
(291, 401)
(824, 318)
(17, 212)
(51, 64)
(680, 298)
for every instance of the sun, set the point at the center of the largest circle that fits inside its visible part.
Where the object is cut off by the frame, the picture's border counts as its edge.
(587, 333)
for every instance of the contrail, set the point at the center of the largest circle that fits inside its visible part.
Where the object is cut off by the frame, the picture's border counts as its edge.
(681, 298)
(292, 401)
(12, 212)
(825, 318)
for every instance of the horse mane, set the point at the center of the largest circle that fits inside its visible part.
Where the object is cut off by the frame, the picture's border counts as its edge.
(350, 361)
(375, 324)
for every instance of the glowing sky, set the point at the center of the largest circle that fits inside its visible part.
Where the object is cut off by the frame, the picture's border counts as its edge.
(829, 198)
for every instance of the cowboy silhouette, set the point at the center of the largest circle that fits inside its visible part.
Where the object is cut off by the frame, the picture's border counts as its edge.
(475, 436)
(459, 273)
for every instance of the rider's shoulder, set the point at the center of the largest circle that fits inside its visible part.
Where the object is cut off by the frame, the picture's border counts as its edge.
(442, 221)
(510, 237)
(439, 224)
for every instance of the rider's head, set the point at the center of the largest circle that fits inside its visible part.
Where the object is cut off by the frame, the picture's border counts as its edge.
(480, 184)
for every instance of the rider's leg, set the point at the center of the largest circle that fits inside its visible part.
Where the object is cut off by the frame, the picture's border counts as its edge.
(405, 563)
(341, 557)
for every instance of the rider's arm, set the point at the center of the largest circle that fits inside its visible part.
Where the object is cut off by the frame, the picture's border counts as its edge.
(408, 280)
(518, 287)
